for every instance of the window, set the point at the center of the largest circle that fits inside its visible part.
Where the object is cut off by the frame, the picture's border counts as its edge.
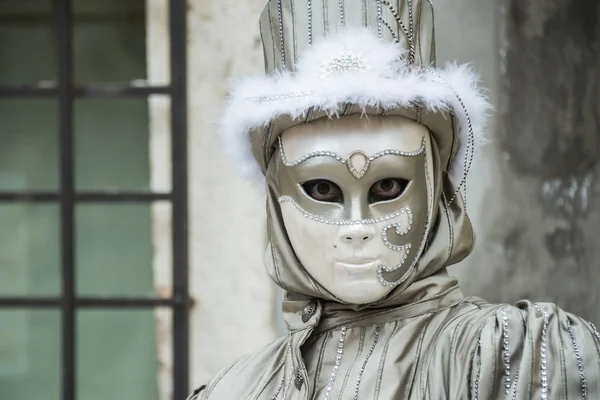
(93, 201)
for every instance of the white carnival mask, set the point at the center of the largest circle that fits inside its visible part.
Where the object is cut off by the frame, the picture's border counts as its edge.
(355, 196)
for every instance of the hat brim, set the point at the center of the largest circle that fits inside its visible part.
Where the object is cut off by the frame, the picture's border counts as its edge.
(447, 100)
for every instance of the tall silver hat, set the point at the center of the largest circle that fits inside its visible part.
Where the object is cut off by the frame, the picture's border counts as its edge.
(340, 57)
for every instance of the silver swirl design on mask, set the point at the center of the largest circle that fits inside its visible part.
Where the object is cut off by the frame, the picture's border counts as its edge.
(382, 268)
(399, 230)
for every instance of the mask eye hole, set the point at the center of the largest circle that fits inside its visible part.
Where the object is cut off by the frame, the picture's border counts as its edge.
(387, 189)
(323, 190)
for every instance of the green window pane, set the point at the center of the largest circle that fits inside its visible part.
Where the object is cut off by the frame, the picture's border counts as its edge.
(29, 354)
(29, 250)
(117, 355)
(109, 41)
(114, 250)
(27, 42)
(29, 150)
(111, 144)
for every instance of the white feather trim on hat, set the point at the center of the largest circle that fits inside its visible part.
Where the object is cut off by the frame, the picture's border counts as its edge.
(353, 67)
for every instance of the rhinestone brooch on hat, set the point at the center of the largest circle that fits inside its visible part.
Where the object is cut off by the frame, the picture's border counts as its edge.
(342, 63)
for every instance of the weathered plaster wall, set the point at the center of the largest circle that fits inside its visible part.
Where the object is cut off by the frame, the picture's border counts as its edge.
(234, 311)
(549, 131)
(534, 194)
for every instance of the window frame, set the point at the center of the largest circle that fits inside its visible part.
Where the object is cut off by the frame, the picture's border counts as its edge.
(68, 302)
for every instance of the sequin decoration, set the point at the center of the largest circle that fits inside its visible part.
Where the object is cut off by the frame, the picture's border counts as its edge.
(338, 362)
(582, 377)
(281, 97)
(280, 387)
(595, 331)
(287, 385)
(346, 62)
(470, 145)
(280, 15)
(475, 390)
(543, 359)
(505, 352)
(401, 229)
(514, 393)
(379, 19)
(364, 364)
(343, 160)
(309, 15)
(358, 164)
(400, 153)
(382, 268)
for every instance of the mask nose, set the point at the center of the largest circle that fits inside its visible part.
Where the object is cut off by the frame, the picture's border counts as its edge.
(356, 235)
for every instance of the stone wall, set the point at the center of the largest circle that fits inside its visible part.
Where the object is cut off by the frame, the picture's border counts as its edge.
(543, 236)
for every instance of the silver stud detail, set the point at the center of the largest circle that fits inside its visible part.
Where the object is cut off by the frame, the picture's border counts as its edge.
(345, 62)
(505, 352)
(280, 14)
(309, 6)
(343, 160)
(281, 97)
(475, 390)
(280, 387)
(400, 153)
(338, 362)
(308, 156)
(358, 164)
(364, 364)
(595, 331)
(582, 377)
(543, 358)
(400, 230)
(287, 385)
(288, 199)
(382, 268)
(470, 145)
(379, 19)
(514, 394)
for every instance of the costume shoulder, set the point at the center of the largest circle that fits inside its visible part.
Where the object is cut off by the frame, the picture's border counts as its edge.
(530, 350)
(234, 380)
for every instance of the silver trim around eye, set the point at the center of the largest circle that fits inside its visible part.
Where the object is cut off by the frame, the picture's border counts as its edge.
(332, 221)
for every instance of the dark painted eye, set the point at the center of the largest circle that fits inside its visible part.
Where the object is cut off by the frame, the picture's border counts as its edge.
(323, 190)
(387, 189)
